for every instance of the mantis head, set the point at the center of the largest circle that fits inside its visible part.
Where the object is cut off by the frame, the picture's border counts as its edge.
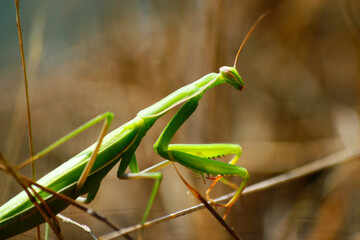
(231, 76)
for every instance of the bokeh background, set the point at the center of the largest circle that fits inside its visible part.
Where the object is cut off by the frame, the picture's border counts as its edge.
(302, 72)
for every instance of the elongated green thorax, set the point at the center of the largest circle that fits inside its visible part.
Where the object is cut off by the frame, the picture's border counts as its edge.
(227, 74)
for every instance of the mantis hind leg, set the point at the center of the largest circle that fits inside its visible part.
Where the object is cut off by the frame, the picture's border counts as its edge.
(44, 209)
(107, 117)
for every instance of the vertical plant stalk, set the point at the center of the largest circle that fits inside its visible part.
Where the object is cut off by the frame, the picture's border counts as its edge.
(31, 147)
(28, 111)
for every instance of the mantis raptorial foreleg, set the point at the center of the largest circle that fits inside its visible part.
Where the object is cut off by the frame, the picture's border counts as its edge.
(209, 152)
(198, 157)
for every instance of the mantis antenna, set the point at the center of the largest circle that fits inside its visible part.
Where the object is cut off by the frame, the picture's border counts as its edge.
(248, 34)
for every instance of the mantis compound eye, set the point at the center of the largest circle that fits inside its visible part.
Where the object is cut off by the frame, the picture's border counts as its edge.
(232, 77)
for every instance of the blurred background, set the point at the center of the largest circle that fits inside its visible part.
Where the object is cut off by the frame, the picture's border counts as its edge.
(301, 68)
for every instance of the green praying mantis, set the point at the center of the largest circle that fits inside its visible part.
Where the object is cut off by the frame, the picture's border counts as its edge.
(83, 173)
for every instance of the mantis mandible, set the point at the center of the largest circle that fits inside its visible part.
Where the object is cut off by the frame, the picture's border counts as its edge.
(83, 173)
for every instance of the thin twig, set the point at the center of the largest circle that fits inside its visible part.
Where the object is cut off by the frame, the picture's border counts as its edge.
(208, 206)
(316, 166)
